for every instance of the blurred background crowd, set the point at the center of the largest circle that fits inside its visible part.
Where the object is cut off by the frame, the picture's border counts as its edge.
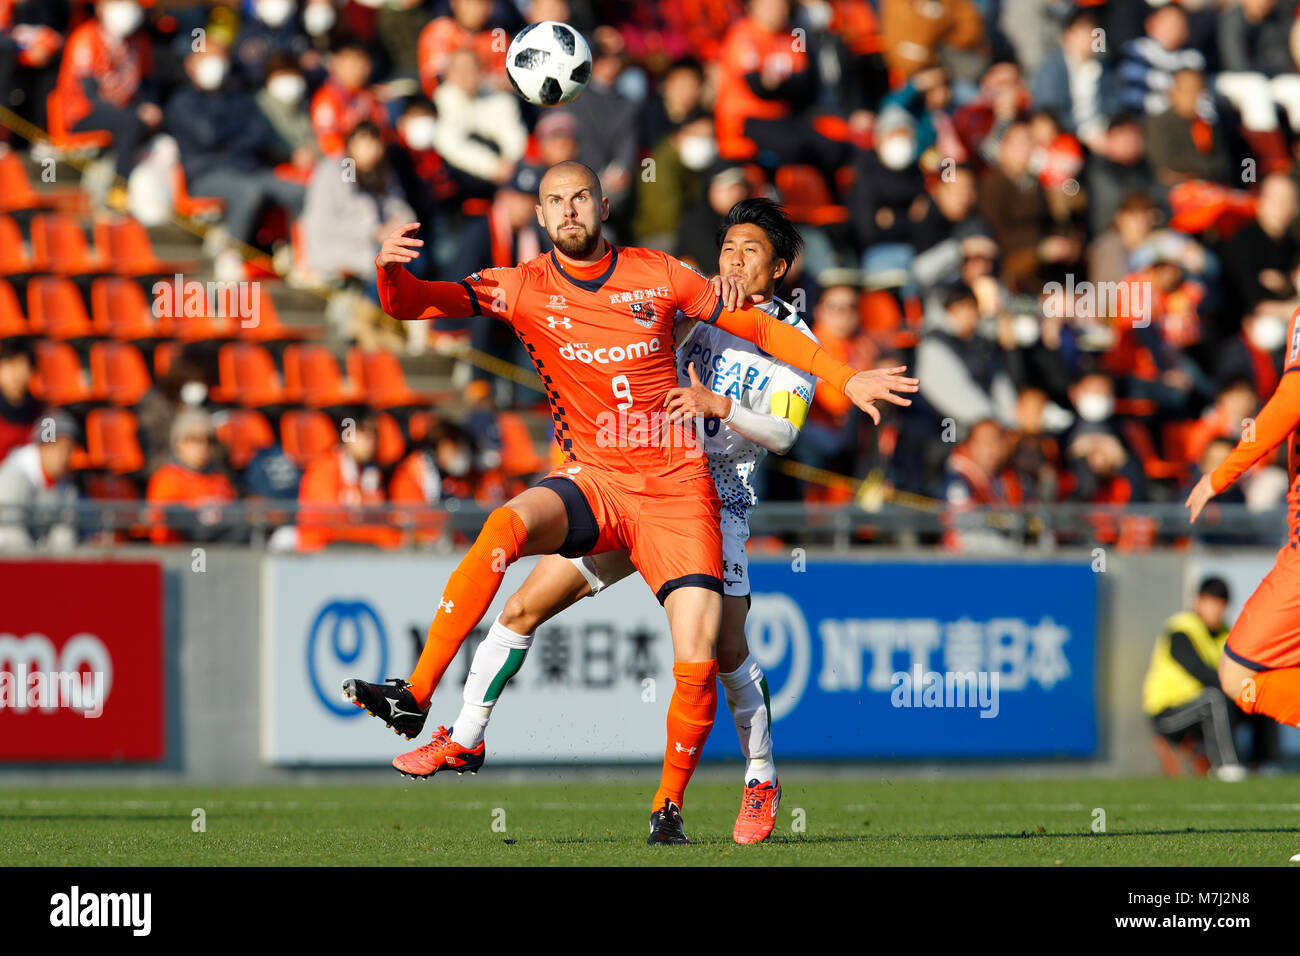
(1075, 222)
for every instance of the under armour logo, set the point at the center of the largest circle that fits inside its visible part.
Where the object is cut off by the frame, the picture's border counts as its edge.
(683, 750)
(573, 471)
(563, 322)
(446, 605)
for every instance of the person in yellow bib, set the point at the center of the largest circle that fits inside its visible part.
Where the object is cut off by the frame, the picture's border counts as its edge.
(1181, 690)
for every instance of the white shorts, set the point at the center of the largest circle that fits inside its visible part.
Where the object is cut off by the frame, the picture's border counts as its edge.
(610, 567)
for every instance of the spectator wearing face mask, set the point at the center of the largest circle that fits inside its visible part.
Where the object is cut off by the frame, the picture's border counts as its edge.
(887, 199)
(228, 148)
(319, 20)
(105, 80)
(1258, 259)
(425, 178)
(444, 471)
(271, 31)
(680, 161)
(281, 101)
(1256, 354)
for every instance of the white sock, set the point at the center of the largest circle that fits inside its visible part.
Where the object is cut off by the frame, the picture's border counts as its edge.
(496, 660)
(746, 690)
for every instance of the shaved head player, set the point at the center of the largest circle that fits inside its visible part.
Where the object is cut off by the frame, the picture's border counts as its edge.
(598, 322)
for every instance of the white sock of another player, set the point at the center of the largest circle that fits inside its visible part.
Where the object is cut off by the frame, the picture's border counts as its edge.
(497, 660)
(746, 690)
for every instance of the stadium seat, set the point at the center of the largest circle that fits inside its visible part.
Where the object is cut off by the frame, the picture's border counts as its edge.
(519, 455)
(118, 373)
(124, 245)
(380, 377)
(247, 376)
(243, 433)
(59, 245)
(113, 441)
(305, 434)
(14, 259)
(55, 308)
(392, 444)
(268, 327)
(192, 207)
(12, 320)
(64, 138)
(806, 196)
(17, 194)
(163, 357)
(60, 379)
(118, 308)
(312, 376)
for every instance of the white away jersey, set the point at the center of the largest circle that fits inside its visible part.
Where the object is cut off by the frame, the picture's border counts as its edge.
(743, 372)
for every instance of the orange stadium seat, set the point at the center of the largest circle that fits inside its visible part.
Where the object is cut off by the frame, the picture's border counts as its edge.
(55, 308)
(118, 308)
(16, 192)
(268, 327)
(379, 375)
(61, 377)
(806, 196)
(14, 259)
(392, 444)
(163, 357)
(305, 434)
(124, 244)
(519, 455)
(59, 245)
(192, 207)
(113, 441)
(243, 433)
(312, 376)
(248, 376)
(12, 320)
(118, 373)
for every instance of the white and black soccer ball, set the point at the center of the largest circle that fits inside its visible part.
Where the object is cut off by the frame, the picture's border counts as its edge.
(548, 63)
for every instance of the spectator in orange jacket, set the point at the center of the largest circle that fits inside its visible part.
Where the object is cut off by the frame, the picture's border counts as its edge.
(344, 100)
(103, 80)
(192, 479)
(465, 29)
(337, 487)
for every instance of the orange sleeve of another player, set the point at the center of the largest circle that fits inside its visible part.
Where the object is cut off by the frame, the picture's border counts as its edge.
(1278, 418)
(490, 292)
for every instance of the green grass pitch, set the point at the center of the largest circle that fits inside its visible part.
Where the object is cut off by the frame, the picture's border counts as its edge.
(877, 821)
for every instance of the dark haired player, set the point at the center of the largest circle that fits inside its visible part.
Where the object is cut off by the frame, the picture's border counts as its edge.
(599, 322)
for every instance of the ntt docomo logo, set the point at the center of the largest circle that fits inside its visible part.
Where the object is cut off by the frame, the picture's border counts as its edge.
(608, 356)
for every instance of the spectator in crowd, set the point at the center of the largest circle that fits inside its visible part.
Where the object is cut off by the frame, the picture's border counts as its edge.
(427, 181)
(468, 28)
(479, 133)
(973, 481)
(1225, 420)
(35, 485)
(927, 98)
(31, 38)
(681, 94)
(282, 101)
(1116, 168)
(228, 148)
(680, 162)
(1255, 354)
(1147, 64)
(398, 25)
(106, 80)
(1075, 83)
(346, 217)
(980, 122)
(949, 210)
(696, 238)
(1181, 143)
(336, 489)
(1260, 256)
(271, 32)
(447, 469)
(1111, 253)
(1181, 689)
(345, 99)
(888, 198)
(192, 479)
(962, 373)
(1258, 72)
(914, 41)
(765, 85)
(19, 408)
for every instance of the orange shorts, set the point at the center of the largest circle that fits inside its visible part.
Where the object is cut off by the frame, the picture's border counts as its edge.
(669, 527)
(1267, 634)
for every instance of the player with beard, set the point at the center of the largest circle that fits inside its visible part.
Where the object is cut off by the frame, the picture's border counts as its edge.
(598, 322)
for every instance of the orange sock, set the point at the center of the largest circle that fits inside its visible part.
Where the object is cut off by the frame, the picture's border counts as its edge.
(690, 718)
(1273, 693)
(465, 599)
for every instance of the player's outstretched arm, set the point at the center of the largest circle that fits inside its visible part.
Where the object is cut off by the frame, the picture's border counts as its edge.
(1279, 417)
(776, 433)
(402, 295)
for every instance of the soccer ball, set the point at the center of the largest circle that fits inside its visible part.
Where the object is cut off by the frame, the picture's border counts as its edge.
(548, 63)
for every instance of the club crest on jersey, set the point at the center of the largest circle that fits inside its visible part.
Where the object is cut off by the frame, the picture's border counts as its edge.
(643, 313)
